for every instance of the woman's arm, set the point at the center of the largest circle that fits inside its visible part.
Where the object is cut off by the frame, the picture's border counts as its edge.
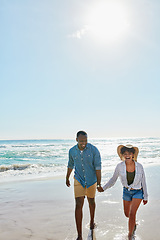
(112, 180)
(144, 186)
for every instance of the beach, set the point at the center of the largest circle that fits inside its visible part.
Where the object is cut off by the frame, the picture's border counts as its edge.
(44, 209)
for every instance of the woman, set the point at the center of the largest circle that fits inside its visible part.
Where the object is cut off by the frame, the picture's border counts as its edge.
(133, 180)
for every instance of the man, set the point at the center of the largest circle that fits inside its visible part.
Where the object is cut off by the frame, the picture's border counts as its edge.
(85, 159)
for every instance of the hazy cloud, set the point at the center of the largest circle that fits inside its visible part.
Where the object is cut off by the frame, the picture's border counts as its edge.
(79, 33)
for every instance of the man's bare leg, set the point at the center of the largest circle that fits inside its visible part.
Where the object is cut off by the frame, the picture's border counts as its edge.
(92, 207)
(79, 216)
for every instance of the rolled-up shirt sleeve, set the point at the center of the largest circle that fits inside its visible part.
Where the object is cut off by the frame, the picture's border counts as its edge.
(97, 159)
(71, 161)
(144, 186)
(112, 180)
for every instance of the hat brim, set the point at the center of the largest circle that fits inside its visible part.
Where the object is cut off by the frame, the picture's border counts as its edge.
(121, 156)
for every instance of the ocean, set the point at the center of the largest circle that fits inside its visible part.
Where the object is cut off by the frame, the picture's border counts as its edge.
(32, 159)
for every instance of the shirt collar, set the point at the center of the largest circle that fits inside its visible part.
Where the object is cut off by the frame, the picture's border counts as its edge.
(134, 162)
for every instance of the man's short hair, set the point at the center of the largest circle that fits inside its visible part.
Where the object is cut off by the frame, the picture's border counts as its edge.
(81, 133)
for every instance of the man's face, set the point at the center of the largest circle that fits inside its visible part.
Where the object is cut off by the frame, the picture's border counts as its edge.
(82, 141)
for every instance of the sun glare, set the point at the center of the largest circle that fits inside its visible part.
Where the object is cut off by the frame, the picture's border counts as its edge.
(107, 21)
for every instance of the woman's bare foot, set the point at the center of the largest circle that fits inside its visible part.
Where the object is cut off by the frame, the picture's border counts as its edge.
(130, 237)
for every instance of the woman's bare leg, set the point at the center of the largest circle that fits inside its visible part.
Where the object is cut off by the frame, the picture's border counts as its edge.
(126, 207)
(132, 215)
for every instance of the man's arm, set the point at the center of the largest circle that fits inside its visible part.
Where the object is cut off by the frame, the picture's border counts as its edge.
(69, 170)
(98, 174)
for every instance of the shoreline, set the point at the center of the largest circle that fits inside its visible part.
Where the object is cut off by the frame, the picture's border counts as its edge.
(33, 178)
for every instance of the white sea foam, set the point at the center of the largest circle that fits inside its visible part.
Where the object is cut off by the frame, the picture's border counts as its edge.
(36, 158)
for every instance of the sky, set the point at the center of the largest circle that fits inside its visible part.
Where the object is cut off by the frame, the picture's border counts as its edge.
(90, 65)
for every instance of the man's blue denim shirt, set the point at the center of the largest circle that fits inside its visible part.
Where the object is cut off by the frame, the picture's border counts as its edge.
(85, 163)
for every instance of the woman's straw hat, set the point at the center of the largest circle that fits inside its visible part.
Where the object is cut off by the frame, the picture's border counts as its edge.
(127, 146)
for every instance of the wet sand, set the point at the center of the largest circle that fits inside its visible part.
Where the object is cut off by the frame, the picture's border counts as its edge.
(44, 209)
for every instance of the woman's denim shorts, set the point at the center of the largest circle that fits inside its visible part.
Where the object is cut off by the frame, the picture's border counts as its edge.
(129, 194)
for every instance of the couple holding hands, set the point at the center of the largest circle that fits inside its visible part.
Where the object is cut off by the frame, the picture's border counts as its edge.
(86, 161)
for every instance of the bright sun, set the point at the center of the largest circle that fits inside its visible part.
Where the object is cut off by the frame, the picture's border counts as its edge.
(107, 21)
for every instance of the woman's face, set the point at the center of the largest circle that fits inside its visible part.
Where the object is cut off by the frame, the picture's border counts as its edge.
(128, 156)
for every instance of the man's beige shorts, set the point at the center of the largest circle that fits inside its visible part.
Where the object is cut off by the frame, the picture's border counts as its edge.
(80, 191)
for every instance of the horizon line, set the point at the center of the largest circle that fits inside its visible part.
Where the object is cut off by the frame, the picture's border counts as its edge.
(38, 139)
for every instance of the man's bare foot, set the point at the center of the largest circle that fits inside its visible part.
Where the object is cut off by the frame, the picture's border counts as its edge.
(134, 230)
(79, 238)
(92, 226)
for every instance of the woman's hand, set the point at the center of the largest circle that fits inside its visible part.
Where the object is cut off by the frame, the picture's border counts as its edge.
(145, 202)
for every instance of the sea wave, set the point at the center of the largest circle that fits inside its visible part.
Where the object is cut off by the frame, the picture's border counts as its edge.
(2, 146)
(21, 167)
(38, 158)
(4, 168)
(18, 172)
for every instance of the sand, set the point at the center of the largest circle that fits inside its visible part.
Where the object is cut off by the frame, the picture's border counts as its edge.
(44, 209)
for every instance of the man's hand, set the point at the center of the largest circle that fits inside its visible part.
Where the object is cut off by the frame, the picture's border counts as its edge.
(145, 202)
(100, 189)
(68, 182)
(69, 170)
